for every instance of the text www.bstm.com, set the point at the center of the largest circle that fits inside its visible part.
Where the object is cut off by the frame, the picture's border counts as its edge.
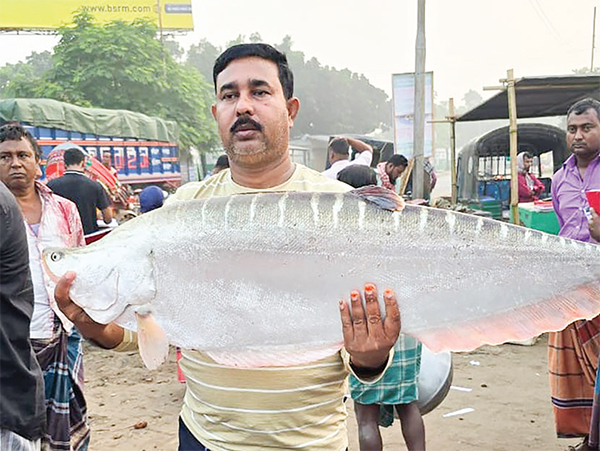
(117, 9)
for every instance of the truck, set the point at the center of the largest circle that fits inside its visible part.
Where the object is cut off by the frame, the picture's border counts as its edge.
(143, 149)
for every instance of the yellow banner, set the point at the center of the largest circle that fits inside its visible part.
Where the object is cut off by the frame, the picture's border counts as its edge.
(51, 14)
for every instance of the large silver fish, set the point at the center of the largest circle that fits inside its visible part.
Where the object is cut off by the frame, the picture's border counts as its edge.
(255, 279)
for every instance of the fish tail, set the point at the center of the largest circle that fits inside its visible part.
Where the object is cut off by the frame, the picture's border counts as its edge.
(553, 314)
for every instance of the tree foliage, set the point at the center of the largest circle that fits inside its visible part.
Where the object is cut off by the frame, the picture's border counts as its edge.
(587, 70)
(125, 66)
(24, 78)
(465, 131)
(331, 101)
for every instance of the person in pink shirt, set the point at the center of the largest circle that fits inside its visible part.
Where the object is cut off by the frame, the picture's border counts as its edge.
(530, 187)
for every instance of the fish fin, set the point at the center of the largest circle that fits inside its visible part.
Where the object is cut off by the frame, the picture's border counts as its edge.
(259, 358)
(382, 197)
(152, 341)
(550, 315)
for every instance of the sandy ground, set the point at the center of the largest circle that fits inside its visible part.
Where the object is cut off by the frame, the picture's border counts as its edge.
(509, 395)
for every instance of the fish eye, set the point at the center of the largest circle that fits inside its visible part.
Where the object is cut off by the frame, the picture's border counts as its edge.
(56, 256)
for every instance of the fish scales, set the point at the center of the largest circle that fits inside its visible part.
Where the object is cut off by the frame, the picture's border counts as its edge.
(248, 273)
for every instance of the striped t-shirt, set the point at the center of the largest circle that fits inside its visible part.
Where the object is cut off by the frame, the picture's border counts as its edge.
(298, 407)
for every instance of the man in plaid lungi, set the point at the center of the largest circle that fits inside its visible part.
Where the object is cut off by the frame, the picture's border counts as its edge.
(374, 404)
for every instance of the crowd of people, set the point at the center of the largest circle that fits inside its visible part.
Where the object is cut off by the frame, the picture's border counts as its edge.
(239, 409)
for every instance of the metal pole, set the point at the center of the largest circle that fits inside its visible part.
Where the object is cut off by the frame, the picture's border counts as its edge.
(512, 116)
(453, 151)
(419, 118)
(593, 40)
(162, 42)
(160, 25)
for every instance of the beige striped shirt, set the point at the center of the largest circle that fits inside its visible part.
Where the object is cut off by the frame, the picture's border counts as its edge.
(298, 407)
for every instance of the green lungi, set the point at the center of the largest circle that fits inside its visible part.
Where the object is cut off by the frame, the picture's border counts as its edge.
(398, 385)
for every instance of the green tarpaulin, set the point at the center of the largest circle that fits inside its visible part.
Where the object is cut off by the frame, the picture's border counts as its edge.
(117, 123)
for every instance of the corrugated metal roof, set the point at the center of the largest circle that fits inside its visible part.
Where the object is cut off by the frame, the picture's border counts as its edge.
(538, 97)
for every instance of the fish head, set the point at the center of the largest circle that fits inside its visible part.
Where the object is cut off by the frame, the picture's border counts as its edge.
(106, 283)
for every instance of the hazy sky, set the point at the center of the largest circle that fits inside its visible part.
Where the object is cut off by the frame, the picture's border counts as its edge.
(470, 43)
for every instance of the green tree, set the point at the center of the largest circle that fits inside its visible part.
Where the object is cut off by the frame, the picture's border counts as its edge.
(126, 66)
(586, 70)
(472, 99)
(332, 101)
(23, 79)
(202, 56)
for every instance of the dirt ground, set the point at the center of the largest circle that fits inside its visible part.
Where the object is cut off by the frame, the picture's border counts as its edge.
(509, 395)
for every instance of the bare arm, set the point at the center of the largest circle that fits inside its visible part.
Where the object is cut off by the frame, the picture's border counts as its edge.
(595, 225)
(107, 336)
(358, 145)
(107, 215)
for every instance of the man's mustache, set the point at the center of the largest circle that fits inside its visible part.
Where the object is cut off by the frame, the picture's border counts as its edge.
(244, 120)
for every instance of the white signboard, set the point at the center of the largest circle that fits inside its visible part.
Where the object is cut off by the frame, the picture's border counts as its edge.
(403, 92)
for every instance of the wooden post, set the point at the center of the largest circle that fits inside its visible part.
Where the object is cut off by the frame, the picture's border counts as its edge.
(593, 41)
(419, 117)
(512, 116)
(453, 151)
(405, 176)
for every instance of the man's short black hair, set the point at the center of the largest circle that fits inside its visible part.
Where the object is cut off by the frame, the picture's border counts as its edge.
(398, 160)
(13, 131)
(339, 146)
(260, 50)
(583, 105)
(222, 162)
(357, 175)
(73, 156)
(527, 154)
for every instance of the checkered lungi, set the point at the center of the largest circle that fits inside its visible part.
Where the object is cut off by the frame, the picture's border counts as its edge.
(61, 360)
(398, 385)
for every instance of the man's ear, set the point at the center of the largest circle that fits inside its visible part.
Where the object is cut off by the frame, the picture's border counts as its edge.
(213, 110)
(293, 105)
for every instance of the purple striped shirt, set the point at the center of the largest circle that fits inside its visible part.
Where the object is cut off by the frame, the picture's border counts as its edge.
(569, 199)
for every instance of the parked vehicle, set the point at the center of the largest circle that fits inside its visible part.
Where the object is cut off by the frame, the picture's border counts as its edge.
(483, 165)
(143, 149)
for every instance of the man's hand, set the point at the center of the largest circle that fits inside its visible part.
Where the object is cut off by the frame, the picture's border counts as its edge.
(367, 338)
(105, 335)
(358, 145)
(594, 225)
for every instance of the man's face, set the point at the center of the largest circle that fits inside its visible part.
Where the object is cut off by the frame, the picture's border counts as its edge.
(527, 162)
(253, 116)
(394, 172)
(106, 159)
(18, 165)
(583, 134)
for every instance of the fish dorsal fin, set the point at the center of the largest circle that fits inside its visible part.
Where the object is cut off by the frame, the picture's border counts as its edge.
(382, 197)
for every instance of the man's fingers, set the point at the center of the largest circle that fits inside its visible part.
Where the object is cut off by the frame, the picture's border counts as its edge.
(373, 313)
(392, 323)
(358, 314)
(347, 328)
(61, 291)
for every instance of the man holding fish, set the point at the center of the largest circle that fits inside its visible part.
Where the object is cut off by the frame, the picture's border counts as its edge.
(274, 407)
(573, 352)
